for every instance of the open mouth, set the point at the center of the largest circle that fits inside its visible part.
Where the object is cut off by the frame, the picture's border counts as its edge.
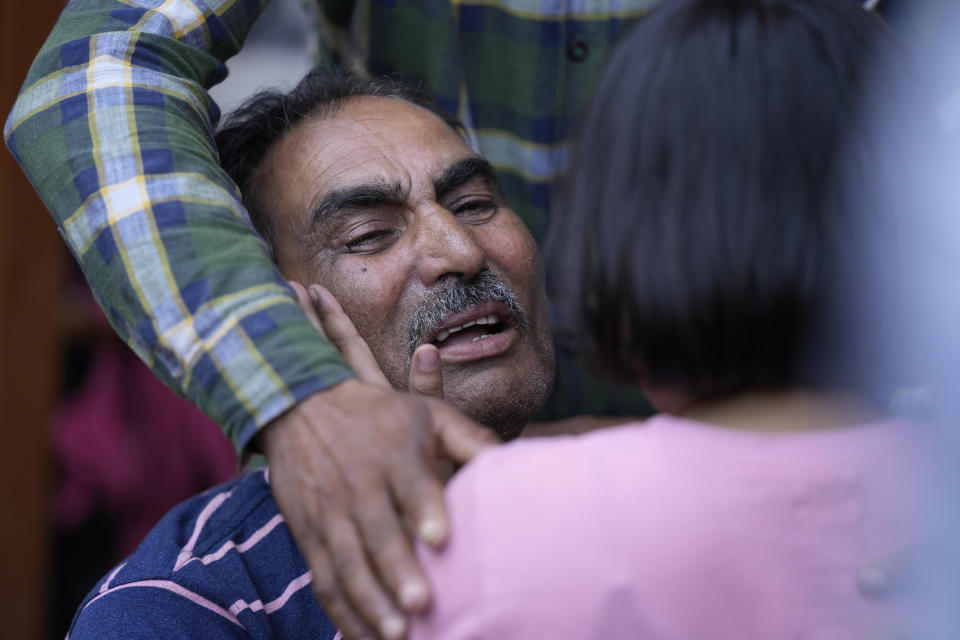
(470, 331)
(474, 326)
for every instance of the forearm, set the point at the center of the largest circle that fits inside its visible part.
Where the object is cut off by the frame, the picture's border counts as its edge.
(114, 129)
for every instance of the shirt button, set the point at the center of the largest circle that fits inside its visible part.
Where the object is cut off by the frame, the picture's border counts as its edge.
(578, 50)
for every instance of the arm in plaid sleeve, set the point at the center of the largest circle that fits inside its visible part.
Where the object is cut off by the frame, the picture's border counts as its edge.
(114, 129)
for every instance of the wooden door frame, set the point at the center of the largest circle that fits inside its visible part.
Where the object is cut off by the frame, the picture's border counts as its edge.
(31, 254)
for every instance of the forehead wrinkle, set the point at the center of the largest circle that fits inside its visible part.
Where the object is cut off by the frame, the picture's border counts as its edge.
(369, 157)
(352, 149)
(339, 177)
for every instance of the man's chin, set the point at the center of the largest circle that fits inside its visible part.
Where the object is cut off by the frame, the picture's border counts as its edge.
(499, 398)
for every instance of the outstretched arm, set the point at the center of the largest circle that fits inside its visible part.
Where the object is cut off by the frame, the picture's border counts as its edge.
(114, 129)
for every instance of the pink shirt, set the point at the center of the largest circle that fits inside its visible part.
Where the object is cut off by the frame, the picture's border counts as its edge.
(672, 529)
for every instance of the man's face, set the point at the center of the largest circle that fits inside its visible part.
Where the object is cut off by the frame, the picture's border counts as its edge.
(384, 205)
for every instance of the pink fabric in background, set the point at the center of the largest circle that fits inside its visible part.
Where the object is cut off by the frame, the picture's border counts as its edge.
(127, 445)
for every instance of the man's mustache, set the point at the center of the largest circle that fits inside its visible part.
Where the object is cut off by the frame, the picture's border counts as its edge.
(451, 295)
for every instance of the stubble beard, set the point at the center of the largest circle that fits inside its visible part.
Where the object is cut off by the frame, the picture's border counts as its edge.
(509, 408)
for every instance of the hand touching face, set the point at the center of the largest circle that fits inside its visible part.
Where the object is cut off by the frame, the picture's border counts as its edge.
(383, 204)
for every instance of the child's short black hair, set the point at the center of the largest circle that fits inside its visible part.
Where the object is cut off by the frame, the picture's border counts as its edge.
(703, 222)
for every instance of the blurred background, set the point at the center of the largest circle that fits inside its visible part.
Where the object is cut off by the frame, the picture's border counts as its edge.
(72, 395)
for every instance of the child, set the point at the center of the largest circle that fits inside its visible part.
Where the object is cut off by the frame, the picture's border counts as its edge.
(707, 251)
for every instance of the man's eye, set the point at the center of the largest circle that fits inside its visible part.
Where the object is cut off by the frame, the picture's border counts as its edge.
(476, 211)
(372, 241)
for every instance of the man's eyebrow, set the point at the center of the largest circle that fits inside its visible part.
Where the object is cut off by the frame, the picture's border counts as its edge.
(358, 196)
(461, 172)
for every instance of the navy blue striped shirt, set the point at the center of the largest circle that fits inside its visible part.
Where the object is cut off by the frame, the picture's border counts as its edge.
(220, 565)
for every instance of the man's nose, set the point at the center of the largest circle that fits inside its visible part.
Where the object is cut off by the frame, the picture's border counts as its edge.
(446, 246)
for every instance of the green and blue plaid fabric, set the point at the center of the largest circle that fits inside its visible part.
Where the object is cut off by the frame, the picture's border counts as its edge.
(114, 129)
(516, 72)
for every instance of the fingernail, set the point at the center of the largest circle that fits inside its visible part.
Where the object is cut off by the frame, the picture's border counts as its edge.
(392, 627)
(431, 530)
(428, 360)
(315, 294)
(413, 595)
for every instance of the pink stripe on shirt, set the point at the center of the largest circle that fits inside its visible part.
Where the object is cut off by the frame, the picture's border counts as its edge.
(113, 574)
(173, 587)
(186, 554)
(244, 546)
(274, 605)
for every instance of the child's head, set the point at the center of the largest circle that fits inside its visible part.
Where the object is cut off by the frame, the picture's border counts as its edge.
(704, 216)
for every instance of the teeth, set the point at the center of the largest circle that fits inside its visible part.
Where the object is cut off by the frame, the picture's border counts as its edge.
(491, 319)
(484, 336)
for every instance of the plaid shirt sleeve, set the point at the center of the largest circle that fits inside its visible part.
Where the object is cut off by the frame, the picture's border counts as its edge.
(114, 129)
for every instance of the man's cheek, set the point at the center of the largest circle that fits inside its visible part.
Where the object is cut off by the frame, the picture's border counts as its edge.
(378, 328)
(510, 245)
